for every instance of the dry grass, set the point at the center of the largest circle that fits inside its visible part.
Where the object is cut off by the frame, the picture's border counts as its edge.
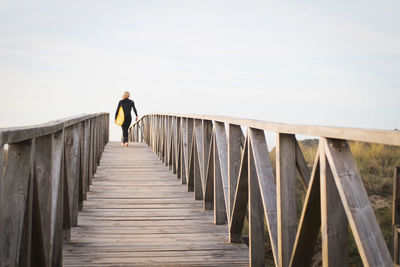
(376, 164)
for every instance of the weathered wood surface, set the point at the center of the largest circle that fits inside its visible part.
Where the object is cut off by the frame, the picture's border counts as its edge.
(42, 185)
(388, 137)
(18, 134)
(138, 214)
(238, 180)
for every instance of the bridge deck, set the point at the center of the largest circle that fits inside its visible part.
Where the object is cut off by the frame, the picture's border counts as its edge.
(138, 214)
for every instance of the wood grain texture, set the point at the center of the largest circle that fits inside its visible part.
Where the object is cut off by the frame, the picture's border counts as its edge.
(267, 185)
(219, 199)
(138, 214)
(256, 216)
(286, 195)
(388, 137)
(19, 134)
(13, 199)
(234, 158)
(365, 228)
(334, 225)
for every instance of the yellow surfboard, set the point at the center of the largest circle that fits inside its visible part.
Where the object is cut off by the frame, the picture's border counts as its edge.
(120, 117)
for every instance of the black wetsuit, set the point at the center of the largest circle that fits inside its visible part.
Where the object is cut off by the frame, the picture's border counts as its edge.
(127, 105)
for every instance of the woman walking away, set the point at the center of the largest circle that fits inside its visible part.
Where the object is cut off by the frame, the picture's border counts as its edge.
(123, 114)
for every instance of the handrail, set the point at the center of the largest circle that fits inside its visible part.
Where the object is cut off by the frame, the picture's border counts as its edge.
(387, 137)
(43, 183)
(18, 134)
(232, 172)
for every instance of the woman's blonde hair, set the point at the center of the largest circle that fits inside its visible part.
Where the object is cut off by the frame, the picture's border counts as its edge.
(126, 95)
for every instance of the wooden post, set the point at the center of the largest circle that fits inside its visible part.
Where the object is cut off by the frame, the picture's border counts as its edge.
(334, 225)
(26, 241)
(286, 195)
(14, 193)
(170, 142)
(221, 156)
(219, 201)
(372, 248)
(173, 145)
(178, 147)
(42, 200)
(85, 158)
(198, 160)
(234, 157)
(396, 215)
(189, 136)
(184, 151)
(72, 164)
(56, 230)
(256, 216)
(267, 185)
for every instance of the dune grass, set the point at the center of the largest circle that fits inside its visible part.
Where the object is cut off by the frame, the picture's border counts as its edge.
(376, 164)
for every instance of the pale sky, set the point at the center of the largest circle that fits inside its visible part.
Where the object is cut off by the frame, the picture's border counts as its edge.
(310, 62)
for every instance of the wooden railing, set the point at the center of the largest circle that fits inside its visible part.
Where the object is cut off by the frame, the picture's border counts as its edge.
(43, 181)
(233, 175)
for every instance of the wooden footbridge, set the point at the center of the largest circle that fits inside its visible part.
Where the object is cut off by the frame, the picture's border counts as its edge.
(181, 194)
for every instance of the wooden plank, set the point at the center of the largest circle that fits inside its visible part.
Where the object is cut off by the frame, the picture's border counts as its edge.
(171, 146)
(388, 137)
(198, 134)
(26, 240)
(267, 185)
(13, 200)
(167, 227)
(19, 134)
(256, 215)
(310, 221)
(82, 167)
(56, 223)
(286, 195)
(189, 136)
(176, 144)
(334, 226)
(365, 228)
(234, 157)
(43, 198)
(219, 199)
(221, 149)
(239, 208)
(184, 151)
(72, 166)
